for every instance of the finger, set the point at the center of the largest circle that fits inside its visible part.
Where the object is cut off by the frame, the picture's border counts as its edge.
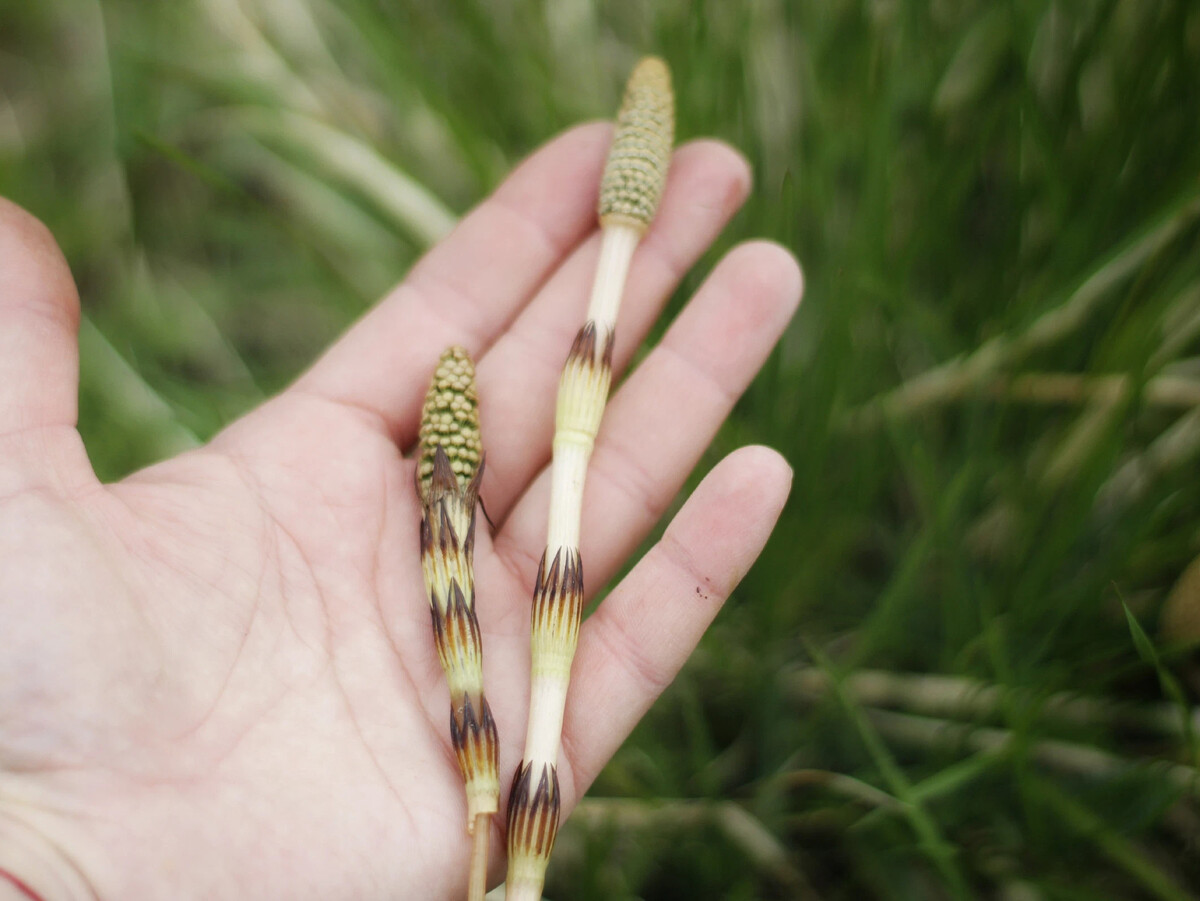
(518, 377)
(662, 419)
(635, 643)
(39, 322)
(469, 287)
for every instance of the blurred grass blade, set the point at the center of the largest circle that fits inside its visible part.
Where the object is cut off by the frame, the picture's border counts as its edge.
(976, 63)
(964, 373)
(940, 852)
(350, 239)
(1114, 846)
(412, 208)
(1170, 685)
(942, 784)
(129, 401)
(1175, 447)
(258, 59)
(1074, 758)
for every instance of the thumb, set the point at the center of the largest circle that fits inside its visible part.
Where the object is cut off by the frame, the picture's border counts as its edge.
(39, 321)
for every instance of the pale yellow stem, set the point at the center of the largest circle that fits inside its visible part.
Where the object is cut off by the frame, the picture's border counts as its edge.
(477, 886)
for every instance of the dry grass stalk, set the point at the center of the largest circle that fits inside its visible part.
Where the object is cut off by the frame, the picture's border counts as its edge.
(747, 833)
(959, 697)
(1175, 447)
(1053, 754)
(629, 194)
(448, 476)
(965, 373)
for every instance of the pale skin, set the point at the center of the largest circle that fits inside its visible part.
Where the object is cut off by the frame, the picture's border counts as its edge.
(217, 676)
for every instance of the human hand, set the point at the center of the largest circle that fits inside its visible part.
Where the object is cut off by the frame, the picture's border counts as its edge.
(218, 678)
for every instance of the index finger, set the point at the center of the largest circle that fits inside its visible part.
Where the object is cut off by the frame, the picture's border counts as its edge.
(468, 288)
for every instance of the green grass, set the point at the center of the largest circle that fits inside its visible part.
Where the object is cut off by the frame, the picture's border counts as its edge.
(992, 193)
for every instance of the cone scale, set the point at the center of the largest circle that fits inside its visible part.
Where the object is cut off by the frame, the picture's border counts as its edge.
(634, 176)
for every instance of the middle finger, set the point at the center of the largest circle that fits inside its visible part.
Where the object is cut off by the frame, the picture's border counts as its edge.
(518, 376)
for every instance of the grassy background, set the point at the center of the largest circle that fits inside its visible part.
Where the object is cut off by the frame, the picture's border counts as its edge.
(946, 677)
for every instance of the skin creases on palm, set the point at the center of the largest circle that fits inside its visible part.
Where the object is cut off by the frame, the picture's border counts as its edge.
(219, 653)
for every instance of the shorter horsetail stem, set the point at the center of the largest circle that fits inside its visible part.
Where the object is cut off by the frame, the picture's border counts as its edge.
(449, 471)
(630, 190)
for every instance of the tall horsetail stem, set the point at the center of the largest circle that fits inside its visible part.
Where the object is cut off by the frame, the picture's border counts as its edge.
(449, 471)
(632, 185)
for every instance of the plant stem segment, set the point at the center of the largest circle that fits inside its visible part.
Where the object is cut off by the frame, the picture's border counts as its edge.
(630, 190)
(477, 878)
(448, 477)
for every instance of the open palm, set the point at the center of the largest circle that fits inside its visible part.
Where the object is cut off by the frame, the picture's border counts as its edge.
(217, 677)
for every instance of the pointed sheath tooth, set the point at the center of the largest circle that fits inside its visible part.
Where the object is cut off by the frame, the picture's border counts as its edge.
(447, 536)
(450, 420)
(459, 644)
(477, 747)
(445, 559)
(426, 536)
(452, 505)
(584, 345)
(593, 346)
(557, 611)
(533, 814)
(636, 169)
(583, 386)
(442, 480)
